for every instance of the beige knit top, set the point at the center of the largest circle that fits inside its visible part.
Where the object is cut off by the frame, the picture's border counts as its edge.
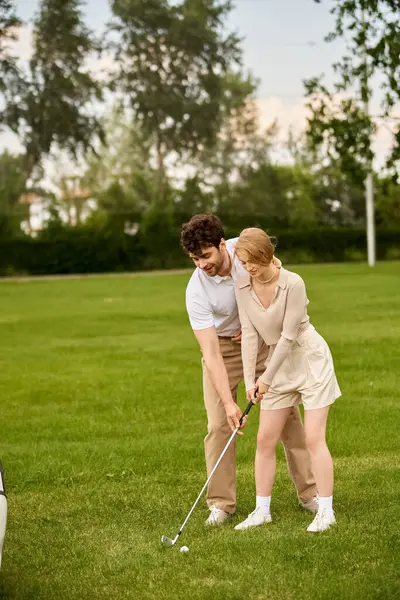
(278, 325)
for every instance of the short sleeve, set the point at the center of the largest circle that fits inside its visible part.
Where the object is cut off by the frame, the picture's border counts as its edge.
(199, 311)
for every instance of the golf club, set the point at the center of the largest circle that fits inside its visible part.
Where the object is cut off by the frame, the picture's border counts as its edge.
(166, 541)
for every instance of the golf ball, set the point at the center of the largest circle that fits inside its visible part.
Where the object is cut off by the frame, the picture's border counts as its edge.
(184, 549)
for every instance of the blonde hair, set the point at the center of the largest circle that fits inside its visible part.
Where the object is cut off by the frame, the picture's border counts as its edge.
(254, 245)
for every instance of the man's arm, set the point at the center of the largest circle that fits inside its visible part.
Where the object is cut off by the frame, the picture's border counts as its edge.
(214, 362)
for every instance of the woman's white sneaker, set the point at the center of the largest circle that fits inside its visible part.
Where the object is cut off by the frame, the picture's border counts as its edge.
(217, 516)
(322, 521)
(255, 519)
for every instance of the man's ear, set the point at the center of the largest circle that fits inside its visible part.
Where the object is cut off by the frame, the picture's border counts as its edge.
(222, 245)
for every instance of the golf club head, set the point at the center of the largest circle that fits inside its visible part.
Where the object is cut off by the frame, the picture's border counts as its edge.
(166, 541)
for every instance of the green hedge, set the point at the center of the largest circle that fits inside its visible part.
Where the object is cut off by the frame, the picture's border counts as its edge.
(84, 251)
(79, 252)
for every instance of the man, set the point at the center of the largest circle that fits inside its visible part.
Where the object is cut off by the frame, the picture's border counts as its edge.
(213, 314)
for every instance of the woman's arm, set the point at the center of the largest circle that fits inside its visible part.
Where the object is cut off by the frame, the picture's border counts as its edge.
(294, 313)
(250, 344)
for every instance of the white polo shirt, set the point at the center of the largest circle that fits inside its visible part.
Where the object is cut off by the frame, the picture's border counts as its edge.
(211, 301)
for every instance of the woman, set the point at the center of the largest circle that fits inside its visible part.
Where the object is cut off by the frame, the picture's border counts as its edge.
(273, 306)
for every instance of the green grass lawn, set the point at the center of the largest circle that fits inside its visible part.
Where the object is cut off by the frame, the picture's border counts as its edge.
(102, 425)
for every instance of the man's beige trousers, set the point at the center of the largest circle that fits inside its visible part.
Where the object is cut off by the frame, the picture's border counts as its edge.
(222, 488)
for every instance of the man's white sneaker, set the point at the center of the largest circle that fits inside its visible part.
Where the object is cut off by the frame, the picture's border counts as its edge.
(217, 516)
(311, 505)
(322, 521)
(255, 519)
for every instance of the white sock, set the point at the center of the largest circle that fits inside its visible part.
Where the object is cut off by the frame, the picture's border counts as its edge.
(264, 503)
(325, 503)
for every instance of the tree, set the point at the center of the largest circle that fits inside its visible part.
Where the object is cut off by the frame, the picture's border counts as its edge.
(387, 202)
(179, 70)
(339, 201)
(273, 195)
(337, 198)
(193, 198)
(9, 24)
(240, 143)
(372, 31)
(71, 199)
(119, 174)
(12, 186)
(241, 148)
(50, 102)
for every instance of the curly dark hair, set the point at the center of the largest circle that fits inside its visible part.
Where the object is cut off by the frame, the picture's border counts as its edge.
(202, 230)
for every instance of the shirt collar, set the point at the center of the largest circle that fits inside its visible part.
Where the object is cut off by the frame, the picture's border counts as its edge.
(218, 278)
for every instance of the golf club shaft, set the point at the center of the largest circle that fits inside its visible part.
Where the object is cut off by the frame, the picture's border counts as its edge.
(246, 412)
